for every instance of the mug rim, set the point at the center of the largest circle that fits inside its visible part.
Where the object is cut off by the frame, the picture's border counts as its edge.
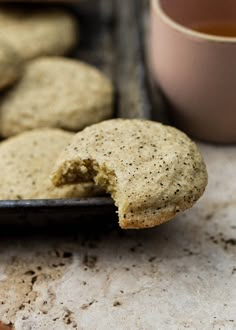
(156, 5)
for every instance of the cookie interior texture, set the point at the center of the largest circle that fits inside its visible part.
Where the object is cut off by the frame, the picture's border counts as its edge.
(56, 92)
(152, 171)
(26, 161)
(35, 30)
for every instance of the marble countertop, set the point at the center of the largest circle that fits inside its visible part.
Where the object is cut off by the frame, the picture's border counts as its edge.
(181, 275)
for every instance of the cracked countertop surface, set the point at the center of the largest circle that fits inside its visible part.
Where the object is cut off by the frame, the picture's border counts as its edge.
(180, 275)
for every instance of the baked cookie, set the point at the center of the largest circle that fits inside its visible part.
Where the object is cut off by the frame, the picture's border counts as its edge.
(35, 30)
(10, 65)
(26, 162)
(152, 171)
(56, 92)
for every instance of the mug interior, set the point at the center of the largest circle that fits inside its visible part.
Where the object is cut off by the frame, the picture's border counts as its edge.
(189, 12)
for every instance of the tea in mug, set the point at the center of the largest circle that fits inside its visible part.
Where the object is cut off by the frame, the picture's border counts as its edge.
(222, 29)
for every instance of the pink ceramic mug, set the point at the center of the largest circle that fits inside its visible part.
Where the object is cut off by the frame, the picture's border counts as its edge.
(196, 71)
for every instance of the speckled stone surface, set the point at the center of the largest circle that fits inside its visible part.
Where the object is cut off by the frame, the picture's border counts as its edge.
(181, 275)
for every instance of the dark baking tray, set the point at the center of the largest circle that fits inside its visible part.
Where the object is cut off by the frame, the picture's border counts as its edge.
(111, 38)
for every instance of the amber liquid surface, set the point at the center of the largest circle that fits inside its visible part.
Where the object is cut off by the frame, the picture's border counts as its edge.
(222, 29)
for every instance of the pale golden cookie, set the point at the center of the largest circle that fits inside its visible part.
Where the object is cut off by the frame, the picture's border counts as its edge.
(152, 171)
(35, 30)
(56, 92)
(10, 65)
(26, 161)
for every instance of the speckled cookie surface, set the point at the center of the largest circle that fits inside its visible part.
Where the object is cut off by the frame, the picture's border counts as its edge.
(10, 65)
(26, 162)
(56, 92)
(152, 171)
(35, 30)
